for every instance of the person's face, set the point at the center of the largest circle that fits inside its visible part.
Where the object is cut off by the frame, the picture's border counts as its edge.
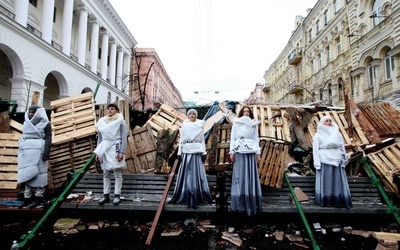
(328, 122)
(192, 117)
(31, 113)
(246, 112)
(111, 111)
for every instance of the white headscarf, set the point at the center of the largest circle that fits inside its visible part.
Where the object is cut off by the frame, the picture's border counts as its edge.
(329, 136)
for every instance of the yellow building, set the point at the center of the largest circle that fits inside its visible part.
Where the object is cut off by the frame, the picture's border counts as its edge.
(339, 44)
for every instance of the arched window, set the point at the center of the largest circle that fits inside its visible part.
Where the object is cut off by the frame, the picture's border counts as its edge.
(340, 88)
(321, 94)
(108, 97)
(376, 12)
(371, 74)
(330, 93)
(352, 86)
(389, 65)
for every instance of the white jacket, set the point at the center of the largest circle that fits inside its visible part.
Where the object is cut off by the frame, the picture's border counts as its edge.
(244, 136)
(191, 139)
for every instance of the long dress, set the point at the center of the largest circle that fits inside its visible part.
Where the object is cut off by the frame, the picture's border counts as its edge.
(246, 194)
(191, 185)
(331, 185)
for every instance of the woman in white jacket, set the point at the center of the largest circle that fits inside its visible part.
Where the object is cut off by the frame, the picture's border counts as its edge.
(246, 195)
(191, 185)
(331, 186)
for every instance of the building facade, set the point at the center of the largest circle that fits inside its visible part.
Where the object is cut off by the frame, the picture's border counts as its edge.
(341, 45)
(150, 84)
(256, 96)
(61, 48)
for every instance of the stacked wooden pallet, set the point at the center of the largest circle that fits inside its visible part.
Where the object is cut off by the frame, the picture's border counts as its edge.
(274, 160)
(70, 156)
(73, 118)
(73, 122)
(274, 123)
(8, 160)
(386, 162)
(339, 118)
(9, 157)
(142, 144)
(218, 147)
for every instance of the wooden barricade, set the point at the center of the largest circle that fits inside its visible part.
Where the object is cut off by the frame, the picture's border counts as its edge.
(274, 123)
(142, 144)
(218, 148)
(70, 156)
(72, 118)
(9, 160)
(274, 159)
(169, 119)
(339, 118)
(386, 162)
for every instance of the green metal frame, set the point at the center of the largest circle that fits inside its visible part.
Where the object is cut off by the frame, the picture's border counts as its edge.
(56, 203)
(375, 180)
(303, 217)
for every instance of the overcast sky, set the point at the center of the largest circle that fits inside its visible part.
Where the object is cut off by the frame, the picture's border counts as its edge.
(213, 45)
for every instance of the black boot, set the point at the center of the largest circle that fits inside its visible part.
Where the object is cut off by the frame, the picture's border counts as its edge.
(25, 202)
(105, 199)
(117, 199)
(37, 202)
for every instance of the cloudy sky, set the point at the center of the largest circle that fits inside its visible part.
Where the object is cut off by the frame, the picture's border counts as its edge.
(213, 45)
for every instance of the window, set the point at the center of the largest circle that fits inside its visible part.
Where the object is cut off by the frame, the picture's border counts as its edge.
(371, 74)
(328, 54)
(326, 17)
(340, 87)
(389, 65)
(108, 97)
(312, 66)
(54, 14)
(321, 94)
(330, 93)
(352, 86)
(33, 2)
(338, 46)
(336, 6)
(310, 35)
(319, 61)
(376, 12)
(317, 24)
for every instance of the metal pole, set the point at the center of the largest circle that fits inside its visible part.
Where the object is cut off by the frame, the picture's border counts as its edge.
(300, 210)
(392, 208)
(56, 203)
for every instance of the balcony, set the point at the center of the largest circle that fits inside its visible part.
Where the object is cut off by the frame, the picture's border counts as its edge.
(266, 88)
(295, 88)
(295, 57)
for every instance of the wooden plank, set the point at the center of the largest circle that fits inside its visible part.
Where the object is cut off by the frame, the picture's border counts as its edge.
(213, 119)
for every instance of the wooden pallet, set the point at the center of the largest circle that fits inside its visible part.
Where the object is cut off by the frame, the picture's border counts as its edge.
(274, 123)
(339, 118)
(218, 147)
(274, 159)
(69, 156)
(386, 162)
(378, 114)
(9, 160)
(73, 118)
(142, 145)
(169, 119)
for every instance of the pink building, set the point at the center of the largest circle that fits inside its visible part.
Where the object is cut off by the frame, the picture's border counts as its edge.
(150, 85)
(257, 96)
